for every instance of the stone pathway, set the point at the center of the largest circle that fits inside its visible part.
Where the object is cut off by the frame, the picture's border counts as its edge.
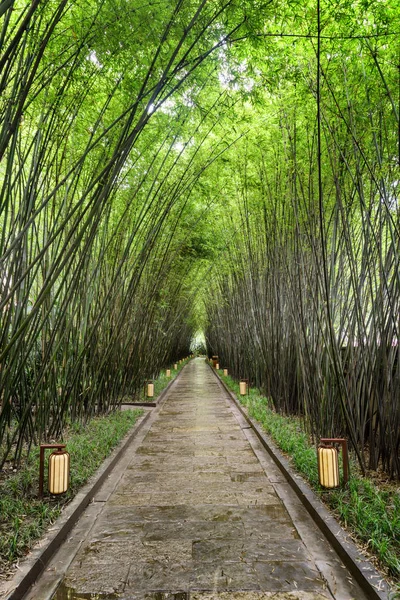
(198, 513)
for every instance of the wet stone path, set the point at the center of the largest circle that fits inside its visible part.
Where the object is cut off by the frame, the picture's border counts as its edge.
(198, 513)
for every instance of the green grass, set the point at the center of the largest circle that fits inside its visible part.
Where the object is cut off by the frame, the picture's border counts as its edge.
(373, 513)
(24, 516)
(370, 512)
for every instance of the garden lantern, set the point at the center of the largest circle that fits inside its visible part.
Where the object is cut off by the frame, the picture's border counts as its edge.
(243, 387)
(226, 372)
(217, 366)
(214, 361)
(168, 373)
(59, 468)
(175, 366)
(328, 462)
(150, 389)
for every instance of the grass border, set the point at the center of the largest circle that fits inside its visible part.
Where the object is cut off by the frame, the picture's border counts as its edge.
(32, 567)
(161, 385)
(362, 570)
(15, 587)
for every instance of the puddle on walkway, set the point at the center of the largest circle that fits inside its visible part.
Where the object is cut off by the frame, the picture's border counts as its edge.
(241, 477)
(66, 593)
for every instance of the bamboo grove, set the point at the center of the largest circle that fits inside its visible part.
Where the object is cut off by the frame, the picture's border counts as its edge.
(95, 276)
(305, 301)
(229, 165)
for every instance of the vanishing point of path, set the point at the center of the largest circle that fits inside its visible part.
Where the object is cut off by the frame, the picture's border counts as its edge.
(197, 510)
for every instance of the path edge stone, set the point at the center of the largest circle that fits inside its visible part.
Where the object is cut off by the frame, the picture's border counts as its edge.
(35, 563)
(362, 570)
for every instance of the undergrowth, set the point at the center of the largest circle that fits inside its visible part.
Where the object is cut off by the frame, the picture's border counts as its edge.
(23, 515)
(370, 512)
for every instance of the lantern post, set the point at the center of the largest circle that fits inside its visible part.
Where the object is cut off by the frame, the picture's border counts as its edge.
(60, 452)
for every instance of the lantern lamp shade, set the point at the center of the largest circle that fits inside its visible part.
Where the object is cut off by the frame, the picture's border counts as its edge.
(150, 390)
(59, 472)
(168, 373)
(217, 366)
(328, 467)
(242, 388)
(175, 366)
(225, 372)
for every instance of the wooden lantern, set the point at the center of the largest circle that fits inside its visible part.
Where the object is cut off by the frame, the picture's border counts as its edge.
(217, 366)
(168, 373)
(226, 372)
(58, 467)
(150, 389)
(243, 388)
(175, 366)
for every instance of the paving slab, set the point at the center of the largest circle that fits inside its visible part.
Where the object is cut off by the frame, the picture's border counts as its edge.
(199, 512)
